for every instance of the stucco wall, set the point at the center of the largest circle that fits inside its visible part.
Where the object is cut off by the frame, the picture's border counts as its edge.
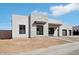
(24, 20)
(16, 21)
(39, 17)
(55, 32)
(63, 26)
(67, 27)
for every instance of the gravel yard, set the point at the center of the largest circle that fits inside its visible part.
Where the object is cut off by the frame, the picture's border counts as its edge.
(24, 44)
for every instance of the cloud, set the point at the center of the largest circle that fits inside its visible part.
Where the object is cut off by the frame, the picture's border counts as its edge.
(40, 12)
(61, 10)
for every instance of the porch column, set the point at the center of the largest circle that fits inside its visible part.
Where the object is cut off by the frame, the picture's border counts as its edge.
(58, 31)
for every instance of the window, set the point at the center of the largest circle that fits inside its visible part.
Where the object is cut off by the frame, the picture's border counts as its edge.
(51, 30)
(64, 32)
(39, 30)
(69, 32)
(22, 29)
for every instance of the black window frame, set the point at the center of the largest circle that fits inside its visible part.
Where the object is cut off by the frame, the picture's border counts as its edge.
(22, 29)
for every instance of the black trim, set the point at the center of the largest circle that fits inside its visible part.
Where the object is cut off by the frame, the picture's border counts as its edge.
(22, 29)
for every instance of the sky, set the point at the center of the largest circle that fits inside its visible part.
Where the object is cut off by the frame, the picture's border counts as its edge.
(66, 12)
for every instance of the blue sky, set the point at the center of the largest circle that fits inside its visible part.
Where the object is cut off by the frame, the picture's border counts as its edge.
(54, 10)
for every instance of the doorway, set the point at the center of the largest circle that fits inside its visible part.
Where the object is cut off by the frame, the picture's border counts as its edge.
(39, 29)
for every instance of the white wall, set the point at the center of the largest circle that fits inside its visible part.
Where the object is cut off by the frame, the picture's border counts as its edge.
(63, 26)
(56, 32)
(67, 27)
(23, 20)
(16, 21)
(55, 21)
(39, 17)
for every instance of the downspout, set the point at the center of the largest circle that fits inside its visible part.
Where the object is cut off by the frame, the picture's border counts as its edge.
(29, 25)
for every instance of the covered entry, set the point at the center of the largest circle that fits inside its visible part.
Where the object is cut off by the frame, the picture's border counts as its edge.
(39, 27)
(53, 29)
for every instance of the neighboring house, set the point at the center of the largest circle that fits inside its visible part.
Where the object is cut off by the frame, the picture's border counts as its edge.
(38, 25)
(75, 30)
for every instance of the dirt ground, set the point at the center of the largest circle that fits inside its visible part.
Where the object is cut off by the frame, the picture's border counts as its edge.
(24, 44)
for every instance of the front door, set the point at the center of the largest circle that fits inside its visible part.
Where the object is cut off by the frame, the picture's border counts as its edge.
(39, 29)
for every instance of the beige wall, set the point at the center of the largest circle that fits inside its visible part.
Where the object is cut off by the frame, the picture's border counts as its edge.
(67, 27)
(38, 17)
(16, 21)
(23, 20)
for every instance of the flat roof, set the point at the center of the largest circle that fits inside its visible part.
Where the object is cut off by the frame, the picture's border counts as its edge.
(54, 24)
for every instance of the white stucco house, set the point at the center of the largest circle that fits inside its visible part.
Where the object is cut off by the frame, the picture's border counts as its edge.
(38, 25)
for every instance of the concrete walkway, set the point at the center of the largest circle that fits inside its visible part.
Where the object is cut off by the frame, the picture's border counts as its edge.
(65, 49)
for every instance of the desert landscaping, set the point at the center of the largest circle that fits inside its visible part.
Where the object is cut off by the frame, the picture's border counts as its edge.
(8, 46)
(21, 45)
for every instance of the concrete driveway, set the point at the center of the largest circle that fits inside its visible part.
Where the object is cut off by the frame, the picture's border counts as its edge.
(68, 38)
(65, 49)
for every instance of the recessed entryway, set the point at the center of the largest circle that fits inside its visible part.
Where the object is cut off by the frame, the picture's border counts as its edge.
(39, 29)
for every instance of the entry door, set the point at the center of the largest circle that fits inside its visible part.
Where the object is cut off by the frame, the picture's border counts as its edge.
(51, 31)
(39, 30)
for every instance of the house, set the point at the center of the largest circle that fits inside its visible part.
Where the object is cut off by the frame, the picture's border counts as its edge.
(36, 25)
(75, 30)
